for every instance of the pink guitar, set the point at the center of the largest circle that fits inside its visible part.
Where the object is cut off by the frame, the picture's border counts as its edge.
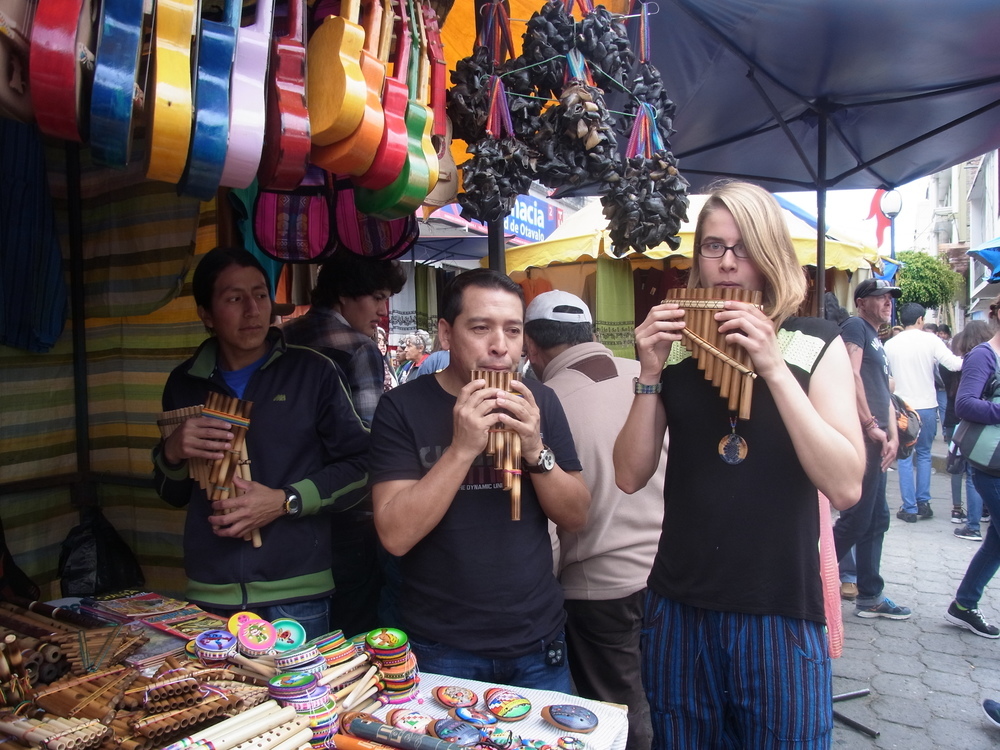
(247, 107)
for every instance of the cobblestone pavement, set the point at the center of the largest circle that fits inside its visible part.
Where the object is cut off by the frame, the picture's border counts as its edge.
(927, 677)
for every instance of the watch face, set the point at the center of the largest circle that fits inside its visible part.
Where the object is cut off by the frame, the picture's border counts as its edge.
(547, 459)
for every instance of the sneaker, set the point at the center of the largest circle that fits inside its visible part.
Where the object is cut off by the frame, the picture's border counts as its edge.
(971, 619)
(849, 591)
(992, 711)
(902, 515)
(924, 510)
(958, 514)
(964, 532)
(986, 516)
(886, 608)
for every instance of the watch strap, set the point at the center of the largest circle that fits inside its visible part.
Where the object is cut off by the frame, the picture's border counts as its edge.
(641, 389)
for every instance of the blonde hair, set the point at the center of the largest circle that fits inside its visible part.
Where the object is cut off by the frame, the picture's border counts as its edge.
(768, 243)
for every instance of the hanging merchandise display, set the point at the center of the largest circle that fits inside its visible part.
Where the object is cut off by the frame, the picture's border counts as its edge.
(555, 124)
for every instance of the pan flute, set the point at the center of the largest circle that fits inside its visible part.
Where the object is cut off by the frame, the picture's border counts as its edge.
(216, 476)
(504, 444)
(728, 366)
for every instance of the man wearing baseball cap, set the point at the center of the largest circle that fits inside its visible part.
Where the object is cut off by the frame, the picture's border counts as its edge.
(603, 568)
(863, 526)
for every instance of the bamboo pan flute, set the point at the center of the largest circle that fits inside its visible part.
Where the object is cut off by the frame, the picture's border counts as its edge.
(504, 444)
(728, 366)
(216, 477)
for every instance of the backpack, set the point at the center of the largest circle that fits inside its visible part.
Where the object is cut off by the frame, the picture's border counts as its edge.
(907, 426)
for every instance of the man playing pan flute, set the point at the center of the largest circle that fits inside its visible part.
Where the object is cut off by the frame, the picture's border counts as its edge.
(735, 651)
(479, 599)
(306, 444)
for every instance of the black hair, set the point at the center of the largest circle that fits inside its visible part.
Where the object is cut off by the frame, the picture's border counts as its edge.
(212, 264)
(347, 274)
(910, 313)
(550, 333)
(944, 328)
(485, 278)
(931, 327)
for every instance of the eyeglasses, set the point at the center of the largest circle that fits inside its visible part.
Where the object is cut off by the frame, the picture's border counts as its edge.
(717, 250)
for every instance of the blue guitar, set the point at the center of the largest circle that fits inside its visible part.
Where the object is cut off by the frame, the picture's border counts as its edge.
(116, 71)
(215, 52)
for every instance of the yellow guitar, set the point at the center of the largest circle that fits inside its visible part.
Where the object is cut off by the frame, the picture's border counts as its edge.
(170, 110)
(336, 87)
(423, 76)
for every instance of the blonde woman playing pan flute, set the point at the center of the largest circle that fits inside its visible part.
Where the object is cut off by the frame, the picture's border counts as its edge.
(734, 643)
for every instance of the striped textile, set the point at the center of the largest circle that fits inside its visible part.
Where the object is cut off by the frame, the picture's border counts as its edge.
(138, 234)
(128, 361)
(614, 322)
(727, 679)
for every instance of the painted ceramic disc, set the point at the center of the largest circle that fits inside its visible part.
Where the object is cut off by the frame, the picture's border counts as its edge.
(298, 681)
(458, 732)
(412, 721)
(290, 634)
(386, 639)
(473, 716)
(571, 743)
(257, 636)
(233, 626)
(454, 696)
(215, 644)
(507, 705)
(571, 717)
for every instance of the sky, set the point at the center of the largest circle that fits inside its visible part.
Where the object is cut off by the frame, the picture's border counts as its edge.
(847, 212)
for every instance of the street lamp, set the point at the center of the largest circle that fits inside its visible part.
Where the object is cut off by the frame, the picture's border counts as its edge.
(890, 204)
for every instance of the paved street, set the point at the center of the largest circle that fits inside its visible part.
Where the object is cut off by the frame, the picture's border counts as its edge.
(927, 677)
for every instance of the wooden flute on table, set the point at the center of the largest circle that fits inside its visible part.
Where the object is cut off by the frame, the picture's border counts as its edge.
(727, 365)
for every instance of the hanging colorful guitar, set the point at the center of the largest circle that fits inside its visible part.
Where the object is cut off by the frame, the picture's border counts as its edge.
(170, 103)
(286, 143)
(216, 48)
(247, 106)
(336, 85)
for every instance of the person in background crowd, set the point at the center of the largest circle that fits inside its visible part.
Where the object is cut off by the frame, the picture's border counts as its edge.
(975, 333)
(913, 358)
(736, 580)
(974, 403)
(436, 360)
(351, 295)
(603, 567)
(861, 528)
(382, 339)
(306, 443)
(479, 598)
(416, 348)
(944, 333)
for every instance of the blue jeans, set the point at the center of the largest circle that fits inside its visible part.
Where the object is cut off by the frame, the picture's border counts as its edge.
(529, 671)
(863, 527)
(973, 500)
(849, 568)
(728, 679)
(986, 561)
(920, 491)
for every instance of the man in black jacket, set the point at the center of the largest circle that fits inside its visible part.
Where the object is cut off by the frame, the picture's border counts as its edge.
(306, 444)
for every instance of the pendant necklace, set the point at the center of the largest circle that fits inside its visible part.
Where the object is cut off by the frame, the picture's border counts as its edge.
(733, 448)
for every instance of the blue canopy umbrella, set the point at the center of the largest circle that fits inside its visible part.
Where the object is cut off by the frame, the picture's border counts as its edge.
(989, 253)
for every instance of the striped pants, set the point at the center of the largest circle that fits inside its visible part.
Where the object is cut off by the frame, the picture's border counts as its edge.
(728, 680)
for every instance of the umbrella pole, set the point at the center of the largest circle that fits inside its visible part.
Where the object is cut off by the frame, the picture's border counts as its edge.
(821, 219)
(497, 257)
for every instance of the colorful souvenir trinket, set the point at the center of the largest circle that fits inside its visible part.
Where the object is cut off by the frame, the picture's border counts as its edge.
(454, 696)
(506, 704)
(233, 626)
(571, 717)
(458, 732)
(473, 716)
(215, 645)
(502, 738)
(289, 634)
(256, 637)
(412, 721)
(571, 743)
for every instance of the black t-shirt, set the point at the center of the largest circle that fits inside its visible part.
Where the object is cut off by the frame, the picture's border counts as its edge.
(874, 365)
(478, 581)
(744, 537)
